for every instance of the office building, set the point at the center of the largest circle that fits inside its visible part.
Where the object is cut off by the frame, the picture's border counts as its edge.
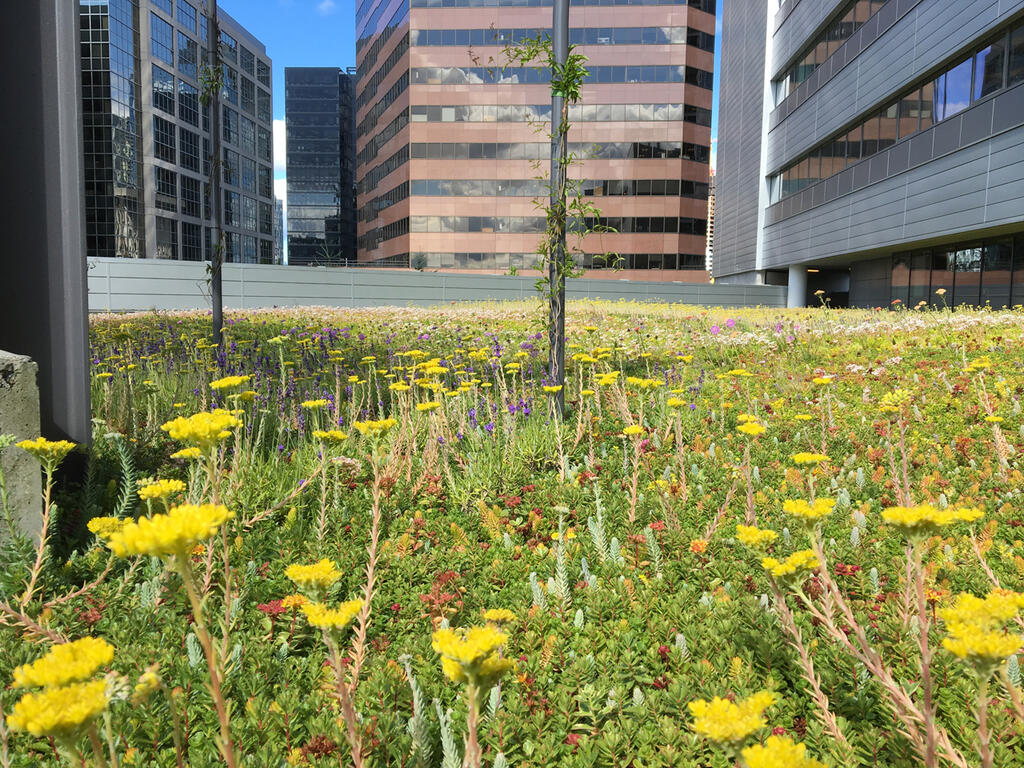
(319, 115)
(278, 231)
(147, 135)
(874, 150)
(449, 147)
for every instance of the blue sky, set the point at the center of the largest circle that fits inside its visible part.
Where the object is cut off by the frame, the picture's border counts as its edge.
(321, 33)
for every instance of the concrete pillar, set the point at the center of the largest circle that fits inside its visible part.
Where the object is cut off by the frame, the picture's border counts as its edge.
(797, 294)
(19, 417)
(43, 311)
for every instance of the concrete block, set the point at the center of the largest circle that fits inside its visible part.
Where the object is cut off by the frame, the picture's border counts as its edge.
(19, 416)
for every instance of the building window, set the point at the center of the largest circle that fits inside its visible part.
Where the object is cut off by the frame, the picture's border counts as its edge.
(266, 219)
(248, 249)
(190, 202)
(266, 251)
(163, 139)
(246, 60)
(230, 247)
(230, 167)
(166, 238)
(263, 105)
(162, 39)
(263, 72)
(163, 90)
(230, 128)
(247, 135)
(188, 56)
(263, 144)
(1016, 69)
(248, 214)
(230, 92)
(228, 47)
(166, 190)
(188, 149)
(191, 248)
(232, 212)
(265, 183)
(247, 172)
(248, 95)
(188, 103)
(167, 6)
(187, 16)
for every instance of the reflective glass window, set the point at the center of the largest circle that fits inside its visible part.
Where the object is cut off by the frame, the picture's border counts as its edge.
(1016, 69)
(187, 15)
(920, 278)
(957, 89)
(900, 283)
(996, 273)
(943, 277)
(988, 69)
(888, 130)
(162, 39)
(909, 113)
(968, 276)
(163, 90)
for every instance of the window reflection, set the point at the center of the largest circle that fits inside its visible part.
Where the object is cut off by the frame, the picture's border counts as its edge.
(968, 274)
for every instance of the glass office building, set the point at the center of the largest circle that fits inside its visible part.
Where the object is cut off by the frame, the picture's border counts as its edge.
(147, 136)
(880, 159)
(321, 159)
(450, 144)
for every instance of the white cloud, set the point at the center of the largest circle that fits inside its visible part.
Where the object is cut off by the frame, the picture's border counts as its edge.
(280, 147)
(714, 154)
(326, 7)
(281, 191)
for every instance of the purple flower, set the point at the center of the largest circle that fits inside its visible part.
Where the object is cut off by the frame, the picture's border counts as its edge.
(730, 323)
(715, 330)
(489, 426)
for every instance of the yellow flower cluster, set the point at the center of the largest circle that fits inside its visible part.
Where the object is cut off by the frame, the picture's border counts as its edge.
(59, 712)
(472, 654)
(203, 430)
(329, 435)
(675, 402)
(797, 563)
(105, 527)
(752, 536)
(49, 453)
(976, 627)
(427, 406)
(779, 752)
(312, 405)
(800, 508)
(149, 681)
(377, 427)
(66, 663)
(895, 401)
(552, 389)
(160, 489)
(808, 458)
(228, 382)
(175, 533)
(751, 428)
(499, 615)
(633, 430)
(319, 615)
(293, 601)
(925, 518)
(728, 722)
(319, 576)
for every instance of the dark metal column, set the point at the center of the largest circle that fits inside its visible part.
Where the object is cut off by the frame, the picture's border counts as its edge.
(556, 251)
(43, 296)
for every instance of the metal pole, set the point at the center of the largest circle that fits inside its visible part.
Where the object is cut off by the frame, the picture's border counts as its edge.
(217, 204)
(556, 263)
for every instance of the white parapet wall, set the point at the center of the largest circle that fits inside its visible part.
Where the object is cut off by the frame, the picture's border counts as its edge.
(125, 285)
(19, 416)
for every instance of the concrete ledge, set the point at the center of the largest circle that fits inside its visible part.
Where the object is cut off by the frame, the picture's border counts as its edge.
(19, 416)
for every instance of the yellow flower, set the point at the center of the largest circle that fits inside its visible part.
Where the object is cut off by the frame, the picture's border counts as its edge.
(427, 406)
(699, 546)
(319, 615)
(160, 489)
(803, 417)
(993, 419)
(149, 682)
(800, 508)
(472, 654)
(586, 392)
(329, 435)
(294, 601)
(59, 712)
(894, 401)
(976, 627)
(925, 519)
(66, 663)
(172, 534)
(228, 382)
(49, 453)
(187, 453)
(104, 375)
(378, 427)
(105, 527)
(795, 564)
(552, 389)
(822, 380)
(203, 430)
(318, 576)
(633, 430)
(310, 405)
(675, 402)
(499, 615)
(808, 458)
(726, 722)
(978, 645)
(751, 428)
(779, 752)
(399, 386)
(752, 536)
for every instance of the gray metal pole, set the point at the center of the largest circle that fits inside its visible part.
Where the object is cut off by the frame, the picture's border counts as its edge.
(559, 151)
(216, 137)
(43, 298)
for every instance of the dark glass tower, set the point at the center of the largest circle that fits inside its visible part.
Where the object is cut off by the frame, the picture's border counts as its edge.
(321, 164)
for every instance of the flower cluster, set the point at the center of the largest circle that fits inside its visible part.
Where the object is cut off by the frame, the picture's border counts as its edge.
(330, 435)
(798, 563)
(808, 458)
(815, 511)
(316, 578)
(374, 427)
(926, 519)
(66, 663)
(175, 533)
(105, 527)
(779, 752)
(976, 624)
(49, 453)
(228, 382)
(322, 617)
(203, 430)
(727, 722)
(752, 536)
(472, 655)
(160, 489)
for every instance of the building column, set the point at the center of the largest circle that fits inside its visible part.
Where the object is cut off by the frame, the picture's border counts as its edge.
(797, 294)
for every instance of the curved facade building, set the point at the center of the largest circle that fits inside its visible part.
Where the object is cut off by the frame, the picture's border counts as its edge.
(450, 143)
(873, 149)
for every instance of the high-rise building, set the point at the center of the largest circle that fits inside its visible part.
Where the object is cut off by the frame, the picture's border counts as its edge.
(278, 231)
(319, 112)
(449, 149)
(147, 135)
(872, 149)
